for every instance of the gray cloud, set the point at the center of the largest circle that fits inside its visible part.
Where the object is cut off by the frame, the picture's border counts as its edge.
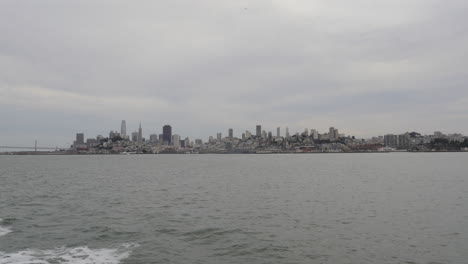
(367, 67)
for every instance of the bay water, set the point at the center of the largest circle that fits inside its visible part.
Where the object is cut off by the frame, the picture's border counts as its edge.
(291, 208)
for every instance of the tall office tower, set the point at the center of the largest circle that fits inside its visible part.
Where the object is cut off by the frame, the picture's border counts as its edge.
(80, 138)
(167, 134)
(219, 136)
(176, 141)
(270, 135)
(140, 134)
(198, 142)
(243, 136)
(135, 136)
(259, 131)
(160, 137)
(337, 135)
(264, 134)
(187, 143)
(231, 133)
(248, 134)
(331, 134)
(287, 132)
(210, 139)
(278, 130)
(123, 129)
(306, 132)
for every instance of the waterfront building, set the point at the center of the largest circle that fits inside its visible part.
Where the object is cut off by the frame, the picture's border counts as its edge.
(391, 140)
(314, 134)
(123, 129)
(79, 142)
(79, 138)
(198, 142)
(231, 133)
(167, 134)
(404, 141)
(258, 131)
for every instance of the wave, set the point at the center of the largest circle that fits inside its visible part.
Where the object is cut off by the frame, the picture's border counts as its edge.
(4, 230)
(78, 255)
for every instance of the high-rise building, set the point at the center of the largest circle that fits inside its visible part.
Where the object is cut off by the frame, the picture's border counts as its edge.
(167, 134)
(404, 141)
(287, 132)
(176, 140)
(270, 135)
(153, 138)
(258, 131)
(219, 137)
(278, 134)
(231, 133)
(123, 129)
(140, 134)
(80, 138)
(264, 134)
(135, 136)
(391, 141)
(331, 133)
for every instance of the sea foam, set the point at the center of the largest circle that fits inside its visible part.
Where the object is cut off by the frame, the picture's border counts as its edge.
(78, 255)
(4, 230)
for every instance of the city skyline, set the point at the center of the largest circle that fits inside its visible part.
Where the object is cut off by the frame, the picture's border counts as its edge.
(369, 68)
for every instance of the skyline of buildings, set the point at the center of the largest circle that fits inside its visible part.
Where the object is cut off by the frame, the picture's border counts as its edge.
(309, 137)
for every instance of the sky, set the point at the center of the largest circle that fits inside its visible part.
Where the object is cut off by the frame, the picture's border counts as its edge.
(366, 67)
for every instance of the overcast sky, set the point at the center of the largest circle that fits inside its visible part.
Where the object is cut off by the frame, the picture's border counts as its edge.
(367, 67)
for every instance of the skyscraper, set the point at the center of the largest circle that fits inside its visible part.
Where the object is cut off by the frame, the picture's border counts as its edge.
(167, 134)
(278, 132)
(140, 134)
(287, 132)
(123, 129)
(259, 131)
(331, 134)
(231, 133)
(176, 141)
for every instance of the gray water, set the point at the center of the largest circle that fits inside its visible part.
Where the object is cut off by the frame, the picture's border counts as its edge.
(318, 208)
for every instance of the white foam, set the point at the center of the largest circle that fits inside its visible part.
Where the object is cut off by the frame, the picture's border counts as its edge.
(4, 230)
(78, 255)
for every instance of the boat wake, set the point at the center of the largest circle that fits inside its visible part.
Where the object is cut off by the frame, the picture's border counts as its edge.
(4, 230)
(78, 255)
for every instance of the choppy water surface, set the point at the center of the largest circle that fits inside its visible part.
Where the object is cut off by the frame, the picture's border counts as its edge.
(330, 208)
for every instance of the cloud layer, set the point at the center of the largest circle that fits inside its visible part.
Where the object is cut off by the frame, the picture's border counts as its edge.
(366, 67)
